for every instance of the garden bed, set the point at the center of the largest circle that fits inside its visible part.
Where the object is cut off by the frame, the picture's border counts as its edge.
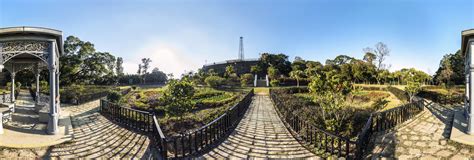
(208, 105)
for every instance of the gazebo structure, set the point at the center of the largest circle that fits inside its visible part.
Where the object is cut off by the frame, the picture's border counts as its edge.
(34, 48)
(467, 49)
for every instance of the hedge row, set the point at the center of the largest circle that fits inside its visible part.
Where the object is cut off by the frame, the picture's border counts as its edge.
(293, 82)
(442, 98)
(373, 88)
(400, 94)
(215, 103)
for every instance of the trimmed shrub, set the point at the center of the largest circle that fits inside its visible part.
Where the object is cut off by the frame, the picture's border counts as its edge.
(246, 79)
(214, 81)
(442, 98)
(285, 81)
(114, 96)
(400, 94)
(274, 83)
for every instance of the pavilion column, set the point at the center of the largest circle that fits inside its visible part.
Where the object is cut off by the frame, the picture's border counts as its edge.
(12, 92)
(37, 75)
(53, 112)
(470, 119)
(58, 99)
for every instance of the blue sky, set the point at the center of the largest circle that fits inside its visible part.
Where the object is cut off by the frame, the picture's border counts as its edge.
(183, 35)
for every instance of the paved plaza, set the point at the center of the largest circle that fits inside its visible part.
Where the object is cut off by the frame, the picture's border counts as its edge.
(94, 137)
(260, 134)
(426, 137)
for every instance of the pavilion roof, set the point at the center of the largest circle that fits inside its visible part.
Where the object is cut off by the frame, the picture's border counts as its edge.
(466, 35)
(35, 31)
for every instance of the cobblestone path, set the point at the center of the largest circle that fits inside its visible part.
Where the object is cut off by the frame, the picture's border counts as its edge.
(94, 137)
(260, 134)
(426, 137)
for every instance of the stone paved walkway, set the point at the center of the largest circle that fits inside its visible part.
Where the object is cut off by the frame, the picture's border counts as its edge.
(94, 137)
(426, 137)
(260, 134)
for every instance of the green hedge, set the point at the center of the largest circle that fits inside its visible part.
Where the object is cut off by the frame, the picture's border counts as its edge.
(442, 98)
(400, 94)
(373, 88)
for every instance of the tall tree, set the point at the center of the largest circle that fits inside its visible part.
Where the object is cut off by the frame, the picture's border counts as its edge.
(381, 51)
(297, 74)
(369, 57)
(119, 67)
(146, 64)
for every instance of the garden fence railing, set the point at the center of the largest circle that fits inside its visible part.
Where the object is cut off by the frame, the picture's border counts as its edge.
(317, 139)
(184, 145)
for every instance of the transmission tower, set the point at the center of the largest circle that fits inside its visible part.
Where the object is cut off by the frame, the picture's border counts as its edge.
(241, 48)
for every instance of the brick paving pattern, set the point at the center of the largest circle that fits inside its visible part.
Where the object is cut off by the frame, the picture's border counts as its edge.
(260, 134)
(426, 137)
(94, 137)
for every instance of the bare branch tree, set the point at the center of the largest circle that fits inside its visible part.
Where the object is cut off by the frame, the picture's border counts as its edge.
(382, 51)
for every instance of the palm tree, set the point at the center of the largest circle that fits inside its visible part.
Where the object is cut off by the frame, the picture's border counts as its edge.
(296, 74)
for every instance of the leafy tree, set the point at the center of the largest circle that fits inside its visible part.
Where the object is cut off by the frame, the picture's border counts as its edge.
(273, 72)
(274, 82)
(82, 64)
(178, 97)
(329, 90)
(339, 60)
(278, 61)
(214, 81)
(114, 96)
(245, 79)
(139, 72)
(381, 51)
(119, 67)
(298, 64)
(211, 72)
(255, 69)
(229, 70)
(369, 57)
(145, 64)
(451, 69)
(156, 76)
(313, 68)
(296, 74)
(413, 84)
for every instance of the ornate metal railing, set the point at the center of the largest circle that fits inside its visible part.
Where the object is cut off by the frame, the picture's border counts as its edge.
(317, 139)
(184, 145)
(385, 120)
(6, 97)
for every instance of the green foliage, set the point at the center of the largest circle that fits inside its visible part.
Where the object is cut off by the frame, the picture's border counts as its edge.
(278, 61)
(255, 69)
(274, 82)
(400, 94)
(330, 82)
(81, 64)
(413, 84)
(297, 74)
(332, 105)
(214, 81)
(178, 97)
(17, 86)
(451, 69)
(114, 96)
(272, 72)
(245, 79)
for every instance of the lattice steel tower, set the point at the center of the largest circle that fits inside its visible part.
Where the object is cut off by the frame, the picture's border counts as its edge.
(241, 48)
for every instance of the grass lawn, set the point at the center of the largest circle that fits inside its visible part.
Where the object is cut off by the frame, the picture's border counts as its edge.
(261, 90)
